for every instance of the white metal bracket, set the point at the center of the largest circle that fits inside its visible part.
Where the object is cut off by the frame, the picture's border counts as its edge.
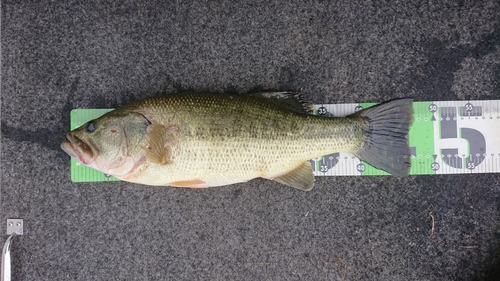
(14, 227)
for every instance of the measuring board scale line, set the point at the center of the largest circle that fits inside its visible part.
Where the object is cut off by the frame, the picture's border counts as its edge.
(464, 143)
(477, 119)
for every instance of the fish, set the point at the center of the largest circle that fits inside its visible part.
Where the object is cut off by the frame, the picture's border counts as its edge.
(204, 140)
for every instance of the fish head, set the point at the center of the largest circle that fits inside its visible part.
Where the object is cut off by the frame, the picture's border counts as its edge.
(112, 143)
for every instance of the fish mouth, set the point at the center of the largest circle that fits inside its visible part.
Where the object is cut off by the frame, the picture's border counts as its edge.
(78, 149)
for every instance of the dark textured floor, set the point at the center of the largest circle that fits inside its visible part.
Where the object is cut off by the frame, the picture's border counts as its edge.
(60, 55)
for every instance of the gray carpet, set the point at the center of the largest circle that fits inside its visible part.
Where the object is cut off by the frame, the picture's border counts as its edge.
(60, 55)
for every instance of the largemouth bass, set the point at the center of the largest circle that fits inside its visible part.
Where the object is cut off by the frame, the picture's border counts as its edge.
(203, 140)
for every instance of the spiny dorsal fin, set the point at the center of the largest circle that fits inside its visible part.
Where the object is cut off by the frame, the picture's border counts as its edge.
(289, 100)
(161, 142)
(302, 177)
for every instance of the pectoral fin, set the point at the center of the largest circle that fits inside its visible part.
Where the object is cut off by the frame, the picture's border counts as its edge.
(161, 143)
(302, 177)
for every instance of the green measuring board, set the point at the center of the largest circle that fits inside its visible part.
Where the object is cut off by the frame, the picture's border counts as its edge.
(447, 137)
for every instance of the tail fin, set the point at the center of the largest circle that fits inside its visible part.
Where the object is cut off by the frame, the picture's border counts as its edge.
(387, 146)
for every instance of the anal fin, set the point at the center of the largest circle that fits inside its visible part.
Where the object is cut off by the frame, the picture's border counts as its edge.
(301, 177)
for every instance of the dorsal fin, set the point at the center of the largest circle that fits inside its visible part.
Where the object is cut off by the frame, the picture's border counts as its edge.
(290, 100)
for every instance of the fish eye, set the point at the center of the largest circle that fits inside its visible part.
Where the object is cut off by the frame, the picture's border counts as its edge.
(90, 127)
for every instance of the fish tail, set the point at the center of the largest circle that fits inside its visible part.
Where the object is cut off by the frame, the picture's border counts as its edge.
(386, 147)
